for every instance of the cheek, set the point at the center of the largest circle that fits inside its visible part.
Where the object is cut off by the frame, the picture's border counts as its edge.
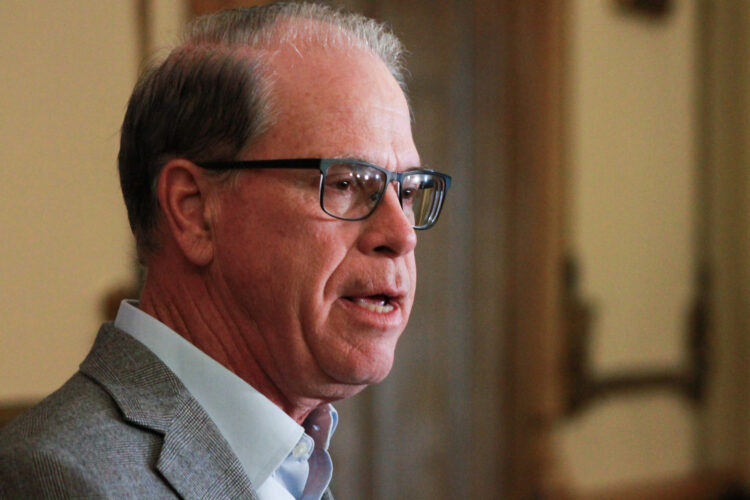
(296, 260)
(280, 233)
(321, 263)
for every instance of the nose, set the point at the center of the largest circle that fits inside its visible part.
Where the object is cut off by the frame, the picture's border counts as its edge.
(387, 231)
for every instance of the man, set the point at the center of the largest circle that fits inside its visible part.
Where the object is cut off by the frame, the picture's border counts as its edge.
(274, 189)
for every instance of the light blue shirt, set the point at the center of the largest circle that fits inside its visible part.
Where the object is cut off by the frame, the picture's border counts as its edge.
(275, 452)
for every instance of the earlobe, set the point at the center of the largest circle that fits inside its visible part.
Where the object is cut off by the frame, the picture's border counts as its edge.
(183, 196)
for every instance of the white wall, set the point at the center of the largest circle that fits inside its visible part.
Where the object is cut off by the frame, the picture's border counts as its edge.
(67, 71)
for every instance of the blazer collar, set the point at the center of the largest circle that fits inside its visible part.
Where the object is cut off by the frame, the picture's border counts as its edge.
(195, 459)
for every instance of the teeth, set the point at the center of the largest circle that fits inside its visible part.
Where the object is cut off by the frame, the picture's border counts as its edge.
(381, 308)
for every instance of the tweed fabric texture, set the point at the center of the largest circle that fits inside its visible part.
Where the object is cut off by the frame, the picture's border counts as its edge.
(122, 427)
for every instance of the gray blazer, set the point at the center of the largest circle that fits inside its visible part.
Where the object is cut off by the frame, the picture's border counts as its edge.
(124, 426)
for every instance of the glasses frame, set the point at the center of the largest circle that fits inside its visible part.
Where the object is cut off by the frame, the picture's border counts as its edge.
(323, 164)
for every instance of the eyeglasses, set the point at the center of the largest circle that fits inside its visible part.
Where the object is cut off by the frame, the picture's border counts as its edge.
(352, 189)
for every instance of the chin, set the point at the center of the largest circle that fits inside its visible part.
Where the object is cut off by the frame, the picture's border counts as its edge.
(347, 381)
(363, 372)
(338, 392)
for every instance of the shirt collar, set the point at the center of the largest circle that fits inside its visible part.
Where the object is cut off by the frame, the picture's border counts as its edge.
(258, 431)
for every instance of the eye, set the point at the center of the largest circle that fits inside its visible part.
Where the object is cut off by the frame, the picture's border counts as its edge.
(412, 185)
(340, 182)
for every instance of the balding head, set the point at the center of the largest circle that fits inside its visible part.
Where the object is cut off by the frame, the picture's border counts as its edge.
(213, 95)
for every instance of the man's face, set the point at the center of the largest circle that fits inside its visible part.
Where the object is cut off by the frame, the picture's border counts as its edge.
(320, 302)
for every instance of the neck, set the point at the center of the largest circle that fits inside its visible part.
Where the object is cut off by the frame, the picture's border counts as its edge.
(182, 299)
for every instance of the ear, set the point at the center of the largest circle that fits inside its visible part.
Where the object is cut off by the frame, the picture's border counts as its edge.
(183, 196)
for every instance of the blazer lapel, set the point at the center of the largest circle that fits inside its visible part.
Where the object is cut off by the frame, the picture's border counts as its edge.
(195, 459)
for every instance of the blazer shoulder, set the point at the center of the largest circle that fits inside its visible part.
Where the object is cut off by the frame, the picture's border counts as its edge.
(78, 402)
(76, 443)
(123, 423)
(41, 472)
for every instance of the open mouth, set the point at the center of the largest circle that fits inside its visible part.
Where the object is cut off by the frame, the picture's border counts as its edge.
(376, 303)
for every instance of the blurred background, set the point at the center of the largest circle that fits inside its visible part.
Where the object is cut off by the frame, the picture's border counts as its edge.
(582, 321)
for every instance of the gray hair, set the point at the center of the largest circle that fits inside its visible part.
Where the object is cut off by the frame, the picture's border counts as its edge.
(208, 100)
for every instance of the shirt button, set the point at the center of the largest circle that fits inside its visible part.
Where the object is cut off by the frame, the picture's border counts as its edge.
(300, 450)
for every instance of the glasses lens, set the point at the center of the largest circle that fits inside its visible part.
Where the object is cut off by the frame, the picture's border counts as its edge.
(422, 197)
(351, 191)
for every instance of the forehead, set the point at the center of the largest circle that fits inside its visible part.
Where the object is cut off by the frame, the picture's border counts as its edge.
(336, 101)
